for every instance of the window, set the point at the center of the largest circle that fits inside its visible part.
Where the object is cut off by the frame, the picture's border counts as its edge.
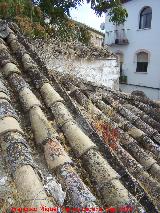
(142, 62)
(145, 18)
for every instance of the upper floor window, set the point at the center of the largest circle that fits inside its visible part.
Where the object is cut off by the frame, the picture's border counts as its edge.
(142, 62)
(145, 18)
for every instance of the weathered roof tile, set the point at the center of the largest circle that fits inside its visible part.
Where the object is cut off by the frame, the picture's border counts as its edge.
(117, 140)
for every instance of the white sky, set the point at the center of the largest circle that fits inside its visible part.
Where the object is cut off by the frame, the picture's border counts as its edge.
(87, 16)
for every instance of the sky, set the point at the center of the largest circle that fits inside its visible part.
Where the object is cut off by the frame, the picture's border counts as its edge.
(87, 16)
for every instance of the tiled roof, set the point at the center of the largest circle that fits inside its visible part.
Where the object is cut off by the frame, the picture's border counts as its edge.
(88, 27)
(124, 1)
(101, 146)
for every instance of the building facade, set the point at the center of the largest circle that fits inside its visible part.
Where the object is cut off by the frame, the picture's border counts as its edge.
(137, 45)
(97, 37)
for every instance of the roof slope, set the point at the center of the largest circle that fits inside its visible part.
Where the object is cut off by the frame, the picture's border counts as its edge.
(101, 146)
(124, 1)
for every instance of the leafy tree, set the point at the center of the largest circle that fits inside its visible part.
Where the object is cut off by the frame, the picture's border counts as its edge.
(30, 16)
(61, 8)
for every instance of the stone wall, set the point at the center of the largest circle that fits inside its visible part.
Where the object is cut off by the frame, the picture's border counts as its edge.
(93, 64)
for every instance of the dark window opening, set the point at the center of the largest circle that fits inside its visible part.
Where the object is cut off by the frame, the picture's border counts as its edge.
(145, 18)
(142, 66)
(121, 68)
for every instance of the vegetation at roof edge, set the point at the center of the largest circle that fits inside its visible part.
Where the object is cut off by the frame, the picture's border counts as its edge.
(31, 16)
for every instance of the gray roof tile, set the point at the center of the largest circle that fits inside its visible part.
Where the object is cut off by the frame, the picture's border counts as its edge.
(115, 145)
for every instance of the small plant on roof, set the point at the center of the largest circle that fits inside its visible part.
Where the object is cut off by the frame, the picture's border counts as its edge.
(109, 135)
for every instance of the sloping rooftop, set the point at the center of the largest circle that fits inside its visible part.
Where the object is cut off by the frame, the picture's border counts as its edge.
(124, 1)
(88, 27)
(66, 142)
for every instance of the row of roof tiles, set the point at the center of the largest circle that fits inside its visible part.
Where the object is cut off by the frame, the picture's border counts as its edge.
(133, 161)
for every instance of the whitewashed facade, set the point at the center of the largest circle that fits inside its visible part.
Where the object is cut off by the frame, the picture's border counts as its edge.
(103, 72)
(137, 43)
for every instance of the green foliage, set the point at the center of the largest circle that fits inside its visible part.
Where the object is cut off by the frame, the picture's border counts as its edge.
(61, 8)
(30, 16)
(114, 9)
(67, 30)
(117, 15)
(10, 8)
(84, 35)
(31, 29)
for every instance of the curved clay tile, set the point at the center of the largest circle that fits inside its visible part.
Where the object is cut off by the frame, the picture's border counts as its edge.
(113, 166)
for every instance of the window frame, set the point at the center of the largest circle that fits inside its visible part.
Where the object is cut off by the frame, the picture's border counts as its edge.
(148, 18)
(142, 67)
